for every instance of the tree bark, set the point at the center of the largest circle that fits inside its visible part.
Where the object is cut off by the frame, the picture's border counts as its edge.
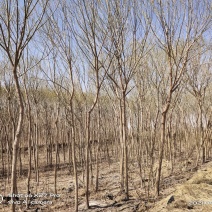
(17, 138)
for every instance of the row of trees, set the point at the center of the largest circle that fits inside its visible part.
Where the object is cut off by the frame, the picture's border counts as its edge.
(95, 75)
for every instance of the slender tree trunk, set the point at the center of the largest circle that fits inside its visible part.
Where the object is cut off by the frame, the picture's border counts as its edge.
(73, 133)
(125, 149)
(87, 151)
(122, 148)
(202, 142)
(163, 134)
(56, 151)
(16, 139)
(30, 159)
(36, 150)
(97, 147)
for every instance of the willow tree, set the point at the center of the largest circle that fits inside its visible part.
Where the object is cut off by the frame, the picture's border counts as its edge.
(90, 33)
(198, 80)
(128, 26)
(59, 37)
(177, 26)
(19, 21)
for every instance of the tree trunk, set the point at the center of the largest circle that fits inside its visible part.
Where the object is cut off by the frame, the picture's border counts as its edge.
(17, 138)
(122, 149)
(163, 134)
(97, 147)
(87, 151)
(202, 140)
(73, 133)
(125, 149)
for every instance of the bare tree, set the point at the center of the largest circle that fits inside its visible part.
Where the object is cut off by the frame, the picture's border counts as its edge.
(180, 26)
(198, 81)
(18, 25)
(90, 34)
(124, 22)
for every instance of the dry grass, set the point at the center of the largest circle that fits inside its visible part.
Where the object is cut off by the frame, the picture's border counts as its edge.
(195, 194)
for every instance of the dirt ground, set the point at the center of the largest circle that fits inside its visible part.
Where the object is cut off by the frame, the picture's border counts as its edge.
(186, 190)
